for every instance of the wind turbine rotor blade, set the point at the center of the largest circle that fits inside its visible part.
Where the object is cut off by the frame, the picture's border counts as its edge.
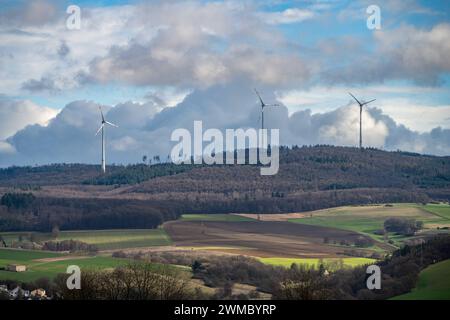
(273, 105)
(355, 99)
(260, 99)
(101, 127)
(111, 124)
(367, 102)
(101, 112)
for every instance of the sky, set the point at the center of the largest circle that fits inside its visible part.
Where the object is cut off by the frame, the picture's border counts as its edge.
(155, 66)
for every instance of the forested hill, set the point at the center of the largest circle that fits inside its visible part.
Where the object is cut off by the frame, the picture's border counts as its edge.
(315, 168)
(311, 169)
(309, 178)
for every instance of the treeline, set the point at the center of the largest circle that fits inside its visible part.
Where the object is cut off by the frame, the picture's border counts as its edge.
(144, 280)
(28, 213)
(44, 214)
(136, 281)
(402, 226)
(137, 173)
(17, 200)
(70, 245)
(55, 174)
(399, 273)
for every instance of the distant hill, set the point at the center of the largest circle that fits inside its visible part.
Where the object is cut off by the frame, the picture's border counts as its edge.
(301, 169)
(312, 170)
(309, 178)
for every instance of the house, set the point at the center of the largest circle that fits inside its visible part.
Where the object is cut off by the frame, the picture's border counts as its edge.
(38, 293)
(16, 268)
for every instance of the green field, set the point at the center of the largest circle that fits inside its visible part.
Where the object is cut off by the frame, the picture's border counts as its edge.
(368, 219)
(433, 284)
(442, 210)
(39, 269)
(119, 239)
(104, 239)
(214, 217)
(315, 262)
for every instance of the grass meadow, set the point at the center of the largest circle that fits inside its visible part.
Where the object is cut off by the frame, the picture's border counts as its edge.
(43, 264)
(334, 263)
(368, 219)
(433, 284)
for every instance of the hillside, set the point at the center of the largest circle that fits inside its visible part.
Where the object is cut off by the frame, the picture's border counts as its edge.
(316, 170)
(309, 178)
(433, 284)
(306, 168)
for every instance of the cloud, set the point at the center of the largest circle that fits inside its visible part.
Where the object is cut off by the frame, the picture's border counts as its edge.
(196, 45)
(404, 103)
(6, 148)
(18, 114)
(28, 13)
(31, 50)
(44, 84)
(291, 15)
(63, 50)
(407, 53)
(145, 130)
(70, 136)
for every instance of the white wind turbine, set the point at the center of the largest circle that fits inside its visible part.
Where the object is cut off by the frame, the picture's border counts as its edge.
(361, 104)
(263, 105)
(102, 128)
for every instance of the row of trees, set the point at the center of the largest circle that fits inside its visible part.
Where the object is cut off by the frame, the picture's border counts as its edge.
(407, 227)
(17, 200)
(44, 214)
(70, 245)
(136, 281)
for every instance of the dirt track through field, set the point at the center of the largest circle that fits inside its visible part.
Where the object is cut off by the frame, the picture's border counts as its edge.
(54, 259)
(261, 238)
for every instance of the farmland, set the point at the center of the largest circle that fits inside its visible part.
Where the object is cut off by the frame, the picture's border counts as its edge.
(260, 238)
(368, 219)
(314, 262)
(214, 217)
(41, 264)
(326, 237)
(433, 284)
(103, 239)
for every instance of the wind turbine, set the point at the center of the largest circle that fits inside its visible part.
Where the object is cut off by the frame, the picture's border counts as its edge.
(361, 104)
(263, 105)
(102, 128)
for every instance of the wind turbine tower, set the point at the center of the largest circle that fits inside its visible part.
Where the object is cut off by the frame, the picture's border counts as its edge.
(263, 105)
(361, 104)
(103, 129)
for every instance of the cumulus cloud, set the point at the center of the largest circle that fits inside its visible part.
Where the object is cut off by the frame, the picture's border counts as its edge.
(44, 84)
(143, 130)
(291, 15)
(70, 136)
(17, 115)
(196, 44)
(407, 52)
(28, 13)
(200, 45)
